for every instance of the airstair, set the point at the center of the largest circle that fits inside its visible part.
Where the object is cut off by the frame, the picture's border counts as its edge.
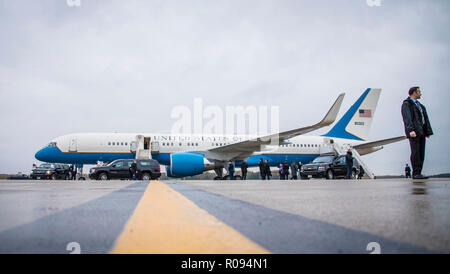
(342, 150)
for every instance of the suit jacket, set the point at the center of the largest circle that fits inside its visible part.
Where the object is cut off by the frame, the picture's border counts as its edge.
(412, 119)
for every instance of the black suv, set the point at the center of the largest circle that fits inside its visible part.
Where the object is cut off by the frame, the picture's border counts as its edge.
(51, 171)
(328, 166)
(120, 169)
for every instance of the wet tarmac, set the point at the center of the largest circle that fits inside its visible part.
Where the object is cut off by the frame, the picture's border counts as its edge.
(314, 216)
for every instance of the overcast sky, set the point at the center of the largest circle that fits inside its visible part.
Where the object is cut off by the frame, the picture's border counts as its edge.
(123, 65)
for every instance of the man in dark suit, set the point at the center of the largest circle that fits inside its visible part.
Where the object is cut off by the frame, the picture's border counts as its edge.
(262, 169)
(267, 170)
(230, 170)
(286, 171)
(349, 164)
(417, 127)
(244, 168)
(133, 169)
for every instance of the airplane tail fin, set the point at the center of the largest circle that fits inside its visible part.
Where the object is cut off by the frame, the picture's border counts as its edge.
(356, 122)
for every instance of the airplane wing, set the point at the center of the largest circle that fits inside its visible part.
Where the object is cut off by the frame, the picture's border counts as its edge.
(247, 147)
(379, 143)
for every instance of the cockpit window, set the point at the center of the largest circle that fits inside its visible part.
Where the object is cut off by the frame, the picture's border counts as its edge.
(52, 144)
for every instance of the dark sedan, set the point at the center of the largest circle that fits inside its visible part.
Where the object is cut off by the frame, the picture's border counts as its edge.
(328, 166)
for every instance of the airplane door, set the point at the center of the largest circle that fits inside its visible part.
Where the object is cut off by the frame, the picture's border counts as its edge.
(73, 146)
(155, 147)
(146, 143)
(133, 147)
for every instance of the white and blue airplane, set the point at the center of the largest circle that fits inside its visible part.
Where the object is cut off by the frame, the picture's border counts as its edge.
(188, 155)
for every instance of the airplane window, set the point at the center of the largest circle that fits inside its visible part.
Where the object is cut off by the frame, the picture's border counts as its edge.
(114, 143)
(109, 143)
(180, 144)
(126, 143)
(188, 144)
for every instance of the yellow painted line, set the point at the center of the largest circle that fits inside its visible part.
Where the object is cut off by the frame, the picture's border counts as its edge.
(166, 222)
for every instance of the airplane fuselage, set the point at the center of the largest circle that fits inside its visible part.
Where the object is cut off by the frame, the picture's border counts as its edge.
(89, 148)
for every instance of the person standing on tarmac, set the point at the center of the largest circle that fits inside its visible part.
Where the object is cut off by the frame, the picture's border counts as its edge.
(267, 170)
(74, 171)
(280, 171)
(300, 170)
(133, 169)
(407, 171)
(262, 169)
(230, 170)
(349, 162)
(294, 169)
(417, 128)
(285, 171)
(244, 168)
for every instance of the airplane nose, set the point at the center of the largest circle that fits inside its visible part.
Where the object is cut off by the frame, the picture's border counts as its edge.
(40, 155)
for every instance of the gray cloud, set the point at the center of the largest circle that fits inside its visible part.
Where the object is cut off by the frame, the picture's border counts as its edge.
(122, 65)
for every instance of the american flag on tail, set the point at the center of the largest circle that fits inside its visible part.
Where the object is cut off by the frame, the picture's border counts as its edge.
(365, 113)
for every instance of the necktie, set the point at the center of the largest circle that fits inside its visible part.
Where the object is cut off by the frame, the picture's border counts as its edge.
(421, 112)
